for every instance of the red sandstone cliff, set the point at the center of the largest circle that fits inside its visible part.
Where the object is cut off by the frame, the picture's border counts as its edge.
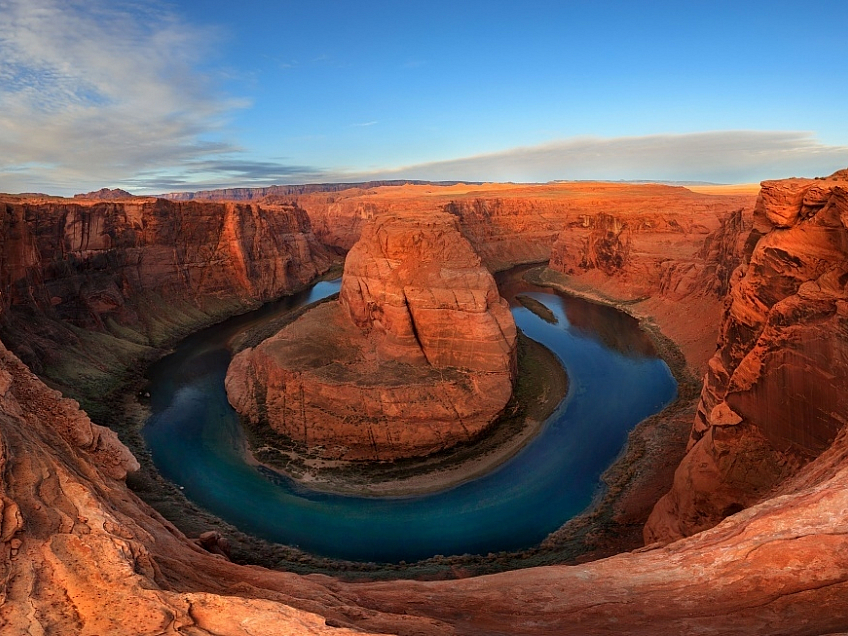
(80, 554)
(671, 268)
(509, 224)
(418, 354)
(773, 396)
(138, 272)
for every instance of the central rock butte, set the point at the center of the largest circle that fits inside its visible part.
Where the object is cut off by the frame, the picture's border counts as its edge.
(417, 355)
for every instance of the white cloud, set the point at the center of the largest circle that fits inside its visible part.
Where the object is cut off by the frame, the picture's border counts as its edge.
(723, 157)
(98, 93)
(720, 157)
(94, 92)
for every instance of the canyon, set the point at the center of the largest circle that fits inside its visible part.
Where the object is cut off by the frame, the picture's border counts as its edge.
(748, 534)
(89, 287)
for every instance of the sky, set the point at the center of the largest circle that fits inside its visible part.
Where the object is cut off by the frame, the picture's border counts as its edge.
(161, 96)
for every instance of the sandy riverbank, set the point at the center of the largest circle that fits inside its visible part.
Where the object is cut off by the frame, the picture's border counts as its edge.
(631, 486)
(541, 386)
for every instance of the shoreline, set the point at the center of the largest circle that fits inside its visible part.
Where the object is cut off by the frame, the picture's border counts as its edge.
(538, 393)
(611, 525)
(644, 470)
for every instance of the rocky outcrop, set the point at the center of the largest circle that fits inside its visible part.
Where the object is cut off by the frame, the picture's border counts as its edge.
(418, 354)
(777, 568)
(773, 397)
(84, 285)
(416, 282)
(508, 224)
(81, 554)
(105, 194)
(656, 255)
(673, 268)
(605, 247)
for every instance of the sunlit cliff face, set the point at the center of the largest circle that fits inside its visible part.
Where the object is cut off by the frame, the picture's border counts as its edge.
(418, 354)
(82, 554)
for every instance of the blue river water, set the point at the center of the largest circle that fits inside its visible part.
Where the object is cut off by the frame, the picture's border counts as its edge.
(615, 381)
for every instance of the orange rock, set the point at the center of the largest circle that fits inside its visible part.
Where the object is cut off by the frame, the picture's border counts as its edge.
(139, 271)
(97, 560)
(775, 385)
(509, 224)
(418, 354)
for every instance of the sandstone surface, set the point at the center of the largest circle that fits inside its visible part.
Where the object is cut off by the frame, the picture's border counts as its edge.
(418, 354)
(86, 286)
(509, 224)
(773, 397)
(80, 554)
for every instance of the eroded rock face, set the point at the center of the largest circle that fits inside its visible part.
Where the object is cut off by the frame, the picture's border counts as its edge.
(656, 255)
(606, 247)
(416, 281)
(671, 267)
(508, 224)
(418, 354)
(136, 273)
(774, 395)
(87, 262)
(81, 554)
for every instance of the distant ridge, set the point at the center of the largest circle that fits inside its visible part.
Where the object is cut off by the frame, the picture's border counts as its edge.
(254, 194)
(642, 181)
(105, 194)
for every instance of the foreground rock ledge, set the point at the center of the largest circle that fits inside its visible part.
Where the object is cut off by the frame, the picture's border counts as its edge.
(417, 355)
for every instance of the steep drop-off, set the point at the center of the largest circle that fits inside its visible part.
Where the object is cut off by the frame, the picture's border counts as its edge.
(87, 286)
(418, 354)
(508, 223)
(673, 268)
(774, 395)
(80, 554)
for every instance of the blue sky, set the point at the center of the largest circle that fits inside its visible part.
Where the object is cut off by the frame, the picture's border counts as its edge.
(160, 96)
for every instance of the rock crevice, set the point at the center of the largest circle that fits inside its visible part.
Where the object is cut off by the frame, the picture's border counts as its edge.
(772, 397)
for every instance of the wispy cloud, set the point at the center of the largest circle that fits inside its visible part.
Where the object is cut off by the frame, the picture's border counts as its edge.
(225, 173)
(723, 156)
(101, 90)
(365, 124)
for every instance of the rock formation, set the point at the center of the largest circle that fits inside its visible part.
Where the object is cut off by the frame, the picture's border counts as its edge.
(105, 194)
(658, 263)
(81, 554)
(773, 397)
(86, 286)
(418, 354)
(509, 224)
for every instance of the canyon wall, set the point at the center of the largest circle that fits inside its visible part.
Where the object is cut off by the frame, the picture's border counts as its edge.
(85, 285)
(509, 224)
(670, 268)
(418, 354)
(774, 394)
(80, 554)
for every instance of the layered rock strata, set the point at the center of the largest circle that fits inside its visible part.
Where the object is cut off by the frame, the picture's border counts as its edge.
(417, 355)
(87, 284)
(673, 269)
(80, 554)
(773, 397)
(508, 224)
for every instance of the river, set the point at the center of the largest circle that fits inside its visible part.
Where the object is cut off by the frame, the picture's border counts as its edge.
(615, 381)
